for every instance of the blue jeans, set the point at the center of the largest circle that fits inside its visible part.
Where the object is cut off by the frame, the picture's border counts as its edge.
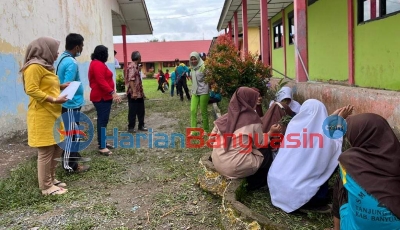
(172, 85)
(103, 109)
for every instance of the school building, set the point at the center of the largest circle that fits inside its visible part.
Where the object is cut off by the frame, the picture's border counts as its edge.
(162, 55)
(338, 51)
(25, 20)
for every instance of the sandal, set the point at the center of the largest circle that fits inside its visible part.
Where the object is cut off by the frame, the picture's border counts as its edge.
(54, 190)
(59, 183)
(105, 152)
(109, 146)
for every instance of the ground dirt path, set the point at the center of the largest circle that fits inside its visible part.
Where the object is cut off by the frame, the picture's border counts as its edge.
(137, 188)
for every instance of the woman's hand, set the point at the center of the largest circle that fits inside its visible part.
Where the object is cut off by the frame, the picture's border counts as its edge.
(65, 85)
(116, 97)
(346, 111)
(60, 100)
(275, 128)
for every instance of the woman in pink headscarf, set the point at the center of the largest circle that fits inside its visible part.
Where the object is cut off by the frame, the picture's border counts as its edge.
(241, 146)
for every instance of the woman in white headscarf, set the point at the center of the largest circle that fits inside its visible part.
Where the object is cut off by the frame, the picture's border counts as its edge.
(285, 95)
(299, 174)
(200, 92)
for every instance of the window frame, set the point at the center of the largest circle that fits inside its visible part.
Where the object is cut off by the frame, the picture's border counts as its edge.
(290, 38)
(278, 23)
(382, 12)
(310, 2)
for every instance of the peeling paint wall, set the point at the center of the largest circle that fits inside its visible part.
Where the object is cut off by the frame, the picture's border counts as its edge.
(25, 20)
(382, 102)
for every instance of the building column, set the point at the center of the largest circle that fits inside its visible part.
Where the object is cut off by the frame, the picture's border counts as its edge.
(245, 27)
(350, 20)
(300, 23)
(230, 30)
(226, 32)
(271, 44)
(265, 53)
(284, 41)
(236, 29)
(123, 28)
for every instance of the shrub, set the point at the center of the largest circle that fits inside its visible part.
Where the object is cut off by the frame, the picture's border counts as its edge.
(120, 83)
(150, 74)
(226, 68)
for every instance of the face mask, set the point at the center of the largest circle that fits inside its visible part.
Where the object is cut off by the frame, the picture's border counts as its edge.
(78, 53)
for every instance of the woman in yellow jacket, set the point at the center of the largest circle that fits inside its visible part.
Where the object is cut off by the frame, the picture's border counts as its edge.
(43, 88)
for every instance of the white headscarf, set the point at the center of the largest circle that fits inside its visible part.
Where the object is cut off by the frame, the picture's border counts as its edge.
(286, 92)
(297, 173)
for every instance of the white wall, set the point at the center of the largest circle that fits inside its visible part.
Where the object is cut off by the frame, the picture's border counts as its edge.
(25, 20)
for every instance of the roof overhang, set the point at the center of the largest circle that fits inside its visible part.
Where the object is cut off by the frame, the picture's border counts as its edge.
(133, 14)
(253, 12)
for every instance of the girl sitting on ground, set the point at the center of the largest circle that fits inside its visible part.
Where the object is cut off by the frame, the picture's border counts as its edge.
(285, 96)
(298, 177)
(239, 150)
(367, 194)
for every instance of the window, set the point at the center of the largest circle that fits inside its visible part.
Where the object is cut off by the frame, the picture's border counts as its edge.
(291, 27)
(373, 9)
(310, 2)
(168, 64)
(278, 34)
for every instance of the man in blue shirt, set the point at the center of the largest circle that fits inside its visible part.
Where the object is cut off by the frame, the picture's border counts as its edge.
(67, 70)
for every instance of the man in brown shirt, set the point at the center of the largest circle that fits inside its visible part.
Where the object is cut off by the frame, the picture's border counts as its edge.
(135, 94)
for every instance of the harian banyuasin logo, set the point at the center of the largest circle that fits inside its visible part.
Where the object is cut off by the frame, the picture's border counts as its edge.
(73, 131)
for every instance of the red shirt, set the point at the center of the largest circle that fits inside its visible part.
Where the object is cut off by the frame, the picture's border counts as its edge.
(166, 76)
(100, 81)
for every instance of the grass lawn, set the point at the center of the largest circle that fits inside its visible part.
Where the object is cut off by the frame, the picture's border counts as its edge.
(137, 188)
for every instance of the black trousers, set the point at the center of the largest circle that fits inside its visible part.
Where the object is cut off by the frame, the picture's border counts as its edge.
(70, 155)
(259, 179)
(136, 108)
(160, 87)
(182, 83)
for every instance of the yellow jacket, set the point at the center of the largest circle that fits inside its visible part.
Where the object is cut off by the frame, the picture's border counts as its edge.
(39, 84)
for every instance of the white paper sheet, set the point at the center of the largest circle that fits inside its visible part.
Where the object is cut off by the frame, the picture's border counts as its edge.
(70, 90)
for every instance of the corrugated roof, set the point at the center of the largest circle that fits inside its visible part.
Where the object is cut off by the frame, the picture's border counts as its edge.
(163, 51)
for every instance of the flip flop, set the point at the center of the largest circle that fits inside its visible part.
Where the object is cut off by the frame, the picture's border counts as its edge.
(105, 153)
(54, 191)
(109, 146)
(59, 183)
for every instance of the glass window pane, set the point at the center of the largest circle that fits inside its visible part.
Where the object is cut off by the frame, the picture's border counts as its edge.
(367, 10)
(378, 7)
(392, 6)
(282, 32)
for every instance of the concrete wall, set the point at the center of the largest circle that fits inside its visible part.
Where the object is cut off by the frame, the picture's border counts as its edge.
(254, 40)
(25, 20)
(328, 40)
(277, 54)
(382, 102)
(377, 52)
(290, 49)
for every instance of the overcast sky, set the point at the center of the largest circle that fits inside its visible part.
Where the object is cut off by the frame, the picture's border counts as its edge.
(181, 20)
